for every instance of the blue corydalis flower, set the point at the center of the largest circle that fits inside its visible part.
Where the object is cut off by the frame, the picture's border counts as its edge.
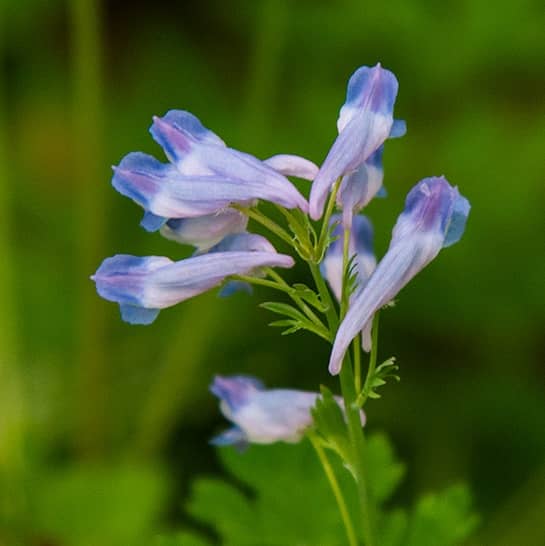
(360, 244)
(144, 286)
(206, 231)
(293, 165)
(197, 151)
(163, 191)
(262, 416)
(434, 217)
(365, 122)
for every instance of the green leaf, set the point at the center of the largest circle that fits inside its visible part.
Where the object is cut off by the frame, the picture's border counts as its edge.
(387, 370)
(283, 309)
(442, 519)
(297, 321)
(291, 503)
(331, 425)
(311, 297)
(392, 528)
(234, 515)
(387, 471)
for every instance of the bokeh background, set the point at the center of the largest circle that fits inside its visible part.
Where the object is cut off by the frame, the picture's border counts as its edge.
(86, 400)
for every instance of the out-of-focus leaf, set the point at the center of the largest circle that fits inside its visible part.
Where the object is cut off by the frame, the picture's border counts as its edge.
(331, 425)
(385, 471)
(180, 539)
(442, 519)
(293, 503)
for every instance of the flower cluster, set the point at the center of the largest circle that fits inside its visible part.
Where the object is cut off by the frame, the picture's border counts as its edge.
(204, 196)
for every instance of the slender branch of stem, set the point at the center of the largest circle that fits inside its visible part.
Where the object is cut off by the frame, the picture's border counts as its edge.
(344, 296)
(337, 492)
(262, 282)
(372, 361)
(319, 327)
(326, 218)
(266, 222)
(357, 363)
(357, 441)
(325, 296)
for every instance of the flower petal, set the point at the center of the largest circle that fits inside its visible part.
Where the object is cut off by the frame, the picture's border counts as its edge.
(204, 156)
(365, 122)
(293, 165)
(249, 242)
(264, 416)
(156, 282)
(206, 231)
(358, 188)
(433, 208)
(163, 191)
(360, 244)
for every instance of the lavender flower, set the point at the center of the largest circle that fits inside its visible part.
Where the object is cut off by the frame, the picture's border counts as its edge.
(197, 151)
(203, 232)
(262, 416)
(293, 165)
(365, 122)
(360, 244)
(434, 217)
(144, 286)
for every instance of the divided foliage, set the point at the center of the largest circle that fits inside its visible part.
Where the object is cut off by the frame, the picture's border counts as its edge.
(278, 496)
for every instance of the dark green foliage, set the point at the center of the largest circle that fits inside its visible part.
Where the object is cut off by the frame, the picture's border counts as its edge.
(290, 501)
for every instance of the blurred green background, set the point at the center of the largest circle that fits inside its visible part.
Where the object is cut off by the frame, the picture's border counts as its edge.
(89, 404)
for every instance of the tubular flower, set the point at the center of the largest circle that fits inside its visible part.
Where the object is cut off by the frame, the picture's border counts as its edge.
(197, 151)
(262, 416)
(434, 217)
(203, 232)
(144, 286)
(360, 244)
(365, 122)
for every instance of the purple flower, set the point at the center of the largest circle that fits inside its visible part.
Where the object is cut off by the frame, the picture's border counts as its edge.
(293, 165)
(144, 286)
(365, 122)
(206, 231)
(360, 244)
(434, 217)
(262, 416)
(197, 151)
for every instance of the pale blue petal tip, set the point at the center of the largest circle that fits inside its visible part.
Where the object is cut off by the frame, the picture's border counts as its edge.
(138, 176)
(399, 128)
(233, 436)
(151, 222)
(186, 121)
(138, 315)
(458, 221)
(232, 287)
(382, 193)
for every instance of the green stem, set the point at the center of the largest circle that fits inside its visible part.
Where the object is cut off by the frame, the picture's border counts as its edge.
(319, 327)
(325, 221)
(337, 492)
(357, 363)
(325, 296)
(299, 301)
(357, 441)
(355, 429)
(362, 398)
(266, 222)
(345, 295)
